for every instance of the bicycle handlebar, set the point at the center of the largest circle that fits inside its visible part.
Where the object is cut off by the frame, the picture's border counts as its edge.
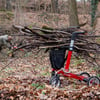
(76, 33)
(79, 32)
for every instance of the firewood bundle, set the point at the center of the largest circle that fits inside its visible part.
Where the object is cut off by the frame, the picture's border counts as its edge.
(86, 45)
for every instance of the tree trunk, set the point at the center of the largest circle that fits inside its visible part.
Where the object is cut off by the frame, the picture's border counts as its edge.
(98, 8)
(93, 13)
(2, 5)
(73, 16)
(97, 16)
(54, 5)
(19, 13)
(8, 5)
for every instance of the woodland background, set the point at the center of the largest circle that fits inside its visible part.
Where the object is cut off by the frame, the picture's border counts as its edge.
(26, 76)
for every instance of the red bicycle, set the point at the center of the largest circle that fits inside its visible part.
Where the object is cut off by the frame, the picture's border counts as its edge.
(56, 72)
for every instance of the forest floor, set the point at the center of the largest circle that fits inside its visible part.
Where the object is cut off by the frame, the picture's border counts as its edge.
(27, 75)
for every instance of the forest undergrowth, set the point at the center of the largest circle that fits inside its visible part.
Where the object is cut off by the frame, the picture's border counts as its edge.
(27, 75)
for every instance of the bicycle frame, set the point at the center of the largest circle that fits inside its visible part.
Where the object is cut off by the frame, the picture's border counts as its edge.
(65, 72)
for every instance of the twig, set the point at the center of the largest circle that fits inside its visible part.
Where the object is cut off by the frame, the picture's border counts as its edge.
(6, 65)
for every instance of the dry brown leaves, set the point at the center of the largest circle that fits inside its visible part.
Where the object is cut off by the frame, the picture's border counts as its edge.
(30, 81)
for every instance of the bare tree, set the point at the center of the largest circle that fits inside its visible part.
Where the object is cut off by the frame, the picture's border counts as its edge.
(2, 4)
(96, 21)
(8, 5)
(19, 16)
(73, 16)
(54, 4)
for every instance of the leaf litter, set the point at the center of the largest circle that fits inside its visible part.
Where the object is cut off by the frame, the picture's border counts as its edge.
(27, 78)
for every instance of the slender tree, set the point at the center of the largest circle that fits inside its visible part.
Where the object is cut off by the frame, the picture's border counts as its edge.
(8, 5)
(94, 4)
(73, 16)
(95, 21)
(54, 5)
(2, 4)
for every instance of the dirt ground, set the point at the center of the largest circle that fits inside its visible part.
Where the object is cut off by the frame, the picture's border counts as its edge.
(27, 75)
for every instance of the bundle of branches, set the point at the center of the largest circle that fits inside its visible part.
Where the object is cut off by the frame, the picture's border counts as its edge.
(88, 46)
